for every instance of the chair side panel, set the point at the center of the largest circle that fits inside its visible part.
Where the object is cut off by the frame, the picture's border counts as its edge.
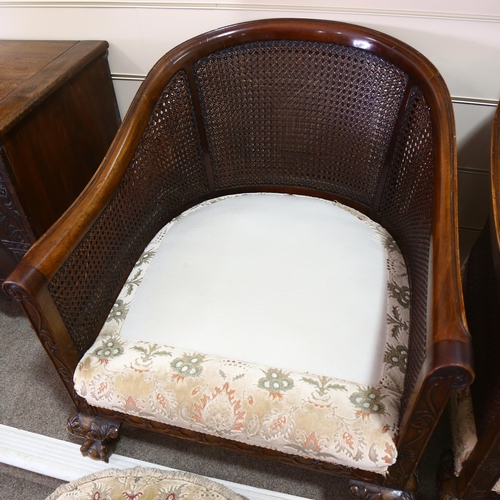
(407, 205)
(482, 304)
(166, 171)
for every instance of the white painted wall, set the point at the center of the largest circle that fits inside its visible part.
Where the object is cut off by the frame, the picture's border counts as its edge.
(462, 38)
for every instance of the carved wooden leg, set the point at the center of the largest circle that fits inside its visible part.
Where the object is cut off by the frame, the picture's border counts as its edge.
(446, 479)
(367, 491)
(101, 435)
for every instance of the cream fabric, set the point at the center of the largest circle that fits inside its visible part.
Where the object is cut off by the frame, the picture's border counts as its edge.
(282, 280)
(307, 413)
(144, 483)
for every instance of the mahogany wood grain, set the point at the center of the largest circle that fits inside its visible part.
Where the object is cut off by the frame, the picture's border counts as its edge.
(58, 116)
(20, 61)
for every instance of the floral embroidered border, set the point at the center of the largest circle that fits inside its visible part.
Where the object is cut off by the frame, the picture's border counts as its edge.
(142, 482)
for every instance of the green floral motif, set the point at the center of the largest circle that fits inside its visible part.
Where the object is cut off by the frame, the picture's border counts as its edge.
(276, 382)
(390, 244)
(400, 293)
(397, 357)
(323, 385)
(368, 402)
(118, 312)
(321, 397)
(110, 348)
(134, 281)
(145, 258)
(149, 352)
(189, 365)
(397, 322)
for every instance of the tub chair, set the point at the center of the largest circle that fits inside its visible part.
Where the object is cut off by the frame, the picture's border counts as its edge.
(474, 471)
(266, 259)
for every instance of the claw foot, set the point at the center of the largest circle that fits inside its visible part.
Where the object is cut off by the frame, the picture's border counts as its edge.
(100, 435)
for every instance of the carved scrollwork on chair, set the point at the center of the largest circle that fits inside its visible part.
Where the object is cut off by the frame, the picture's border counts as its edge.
(437, 391)
(45, 335)
(484, 480)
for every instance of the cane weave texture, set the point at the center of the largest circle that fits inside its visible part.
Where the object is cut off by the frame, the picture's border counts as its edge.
(483, 316)
(299, 113)
(167, 171)
(407, 205)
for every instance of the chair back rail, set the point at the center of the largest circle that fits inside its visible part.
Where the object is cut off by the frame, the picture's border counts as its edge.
(310, 107)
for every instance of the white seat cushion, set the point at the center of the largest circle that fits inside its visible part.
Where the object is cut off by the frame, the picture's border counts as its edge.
(269, 278)
(259, 297)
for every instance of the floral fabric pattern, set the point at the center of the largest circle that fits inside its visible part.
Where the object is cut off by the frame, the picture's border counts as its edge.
(305, 414)
(144, 484)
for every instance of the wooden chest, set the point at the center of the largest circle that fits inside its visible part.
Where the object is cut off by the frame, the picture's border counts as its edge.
(58, 116)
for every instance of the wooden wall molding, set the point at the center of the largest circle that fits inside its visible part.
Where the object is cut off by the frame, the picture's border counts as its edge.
(62, 459)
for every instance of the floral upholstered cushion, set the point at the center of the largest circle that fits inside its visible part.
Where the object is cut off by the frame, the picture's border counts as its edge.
(320, 393)
(143, 483)
(464, 429)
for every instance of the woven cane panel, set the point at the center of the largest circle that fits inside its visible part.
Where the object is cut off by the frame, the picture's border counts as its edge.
(299, 113)
(482, 305)
(167, 170)
(407, 205)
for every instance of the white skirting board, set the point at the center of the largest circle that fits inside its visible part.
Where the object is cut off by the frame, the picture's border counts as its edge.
(63, 460)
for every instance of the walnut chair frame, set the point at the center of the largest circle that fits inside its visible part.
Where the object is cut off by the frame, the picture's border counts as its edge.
(481, 470)
(169, 155)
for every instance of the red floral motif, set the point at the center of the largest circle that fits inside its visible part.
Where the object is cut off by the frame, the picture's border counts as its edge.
(280, 422)
(163, 401)
(319, 405)
(131, 405)
(220, 411)
(389, 449)
(102, 388)
(349, 440)
(313, 443)
(137, 369)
